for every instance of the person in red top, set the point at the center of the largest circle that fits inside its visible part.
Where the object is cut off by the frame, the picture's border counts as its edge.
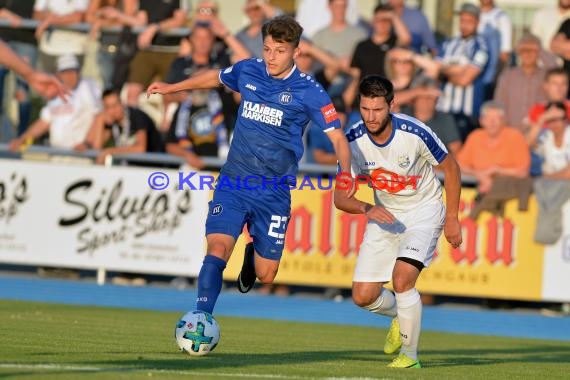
(555, 88)
(494, 149)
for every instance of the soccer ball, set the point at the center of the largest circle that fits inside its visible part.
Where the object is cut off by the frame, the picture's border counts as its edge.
(197, 333)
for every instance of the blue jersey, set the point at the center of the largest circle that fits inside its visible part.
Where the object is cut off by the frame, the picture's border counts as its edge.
(272, 116)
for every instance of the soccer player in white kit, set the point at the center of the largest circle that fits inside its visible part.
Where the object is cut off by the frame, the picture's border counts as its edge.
(398, 154)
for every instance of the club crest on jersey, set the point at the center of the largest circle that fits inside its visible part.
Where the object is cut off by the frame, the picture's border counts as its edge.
(217, 209)
(404, 161)
(285, 98)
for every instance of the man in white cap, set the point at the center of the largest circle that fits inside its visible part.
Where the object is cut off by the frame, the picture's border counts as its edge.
(67, 121)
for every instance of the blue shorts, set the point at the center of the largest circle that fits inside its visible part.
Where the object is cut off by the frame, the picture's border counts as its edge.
(266, 212)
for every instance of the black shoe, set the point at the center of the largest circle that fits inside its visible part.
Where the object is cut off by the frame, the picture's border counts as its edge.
(246, 278)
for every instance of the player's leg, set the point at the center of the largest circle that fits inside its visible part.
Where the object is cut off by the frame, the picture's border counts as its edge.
(409, 307)
(210, 279)
(224, 224)
(372, 296)
(418, 245)
(373, 269)
(269, 217)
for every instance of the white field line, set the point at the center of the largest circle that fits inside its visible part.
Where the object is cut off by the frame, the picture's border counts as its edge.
(60, 367)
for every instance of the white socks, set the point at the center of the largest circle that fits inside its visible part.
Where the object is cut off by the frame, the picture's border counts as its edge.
(384, 305)
(410, 318)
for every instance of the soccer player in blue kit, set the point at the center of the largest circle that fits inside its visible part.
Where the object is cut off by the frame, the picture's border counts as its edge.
(277, 102)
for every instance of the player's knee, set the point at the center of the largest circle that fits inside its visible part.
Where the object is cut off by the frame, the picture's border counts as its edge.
(266, 275)
(402, 284)
(361, 299)
(219, 249)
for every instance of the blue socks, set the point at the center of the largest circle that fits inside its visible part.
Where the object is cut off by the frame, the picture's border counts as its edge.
(209, 283)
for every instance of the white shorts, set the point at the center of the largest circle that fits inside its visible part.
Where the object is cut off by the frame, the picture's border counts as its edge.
(414, 235)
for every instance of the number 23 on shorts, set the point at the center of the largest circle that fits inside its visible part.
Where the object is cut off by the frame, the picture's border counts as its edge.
(277, 226)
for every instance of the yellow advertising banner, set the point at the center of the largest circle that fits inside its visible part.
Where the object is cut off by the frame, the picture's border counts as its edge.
(498, 257)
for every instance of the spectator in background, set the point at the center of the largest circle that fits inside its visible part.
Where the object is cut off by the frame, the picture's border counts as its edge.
(555, 88)
(225, 45)
(423, 39)
(547, 20)
(67, 121)
(402, 67)
(257, 12)
(324, 67)
(388, 31)
(426, 91)
(204, 54)
(495, 26)
(121, 129)
(339, 39)
(23, 43)
(560, 45)
(156, 51)
(551, 142)
(520, 87)
(110, 13)
(494, 150)
(54, 42)
(370, 55)
(312, 15)
(462, 63)
(198, 128)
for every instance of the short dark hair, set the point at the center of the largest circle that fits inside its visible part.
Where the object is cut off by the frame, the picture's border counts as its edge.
(110, 91)
(558, 105)
(556, 71)
(383, 8)
(283, 29)
(376, 86)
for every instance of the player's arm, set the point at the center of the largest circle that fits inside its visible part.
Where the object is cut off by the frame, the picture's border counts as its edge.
(355, 206)
(452, 185)
(46, 85)
(342, 151)
(204, 80)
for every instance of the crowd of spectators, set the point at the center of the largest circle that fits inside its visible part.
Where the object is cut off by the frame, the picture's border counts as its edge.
(444, 85)
(491, 99)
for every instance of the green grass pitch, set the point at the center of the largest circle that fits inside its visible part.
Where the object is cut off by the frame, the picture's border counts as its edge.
(41, 341)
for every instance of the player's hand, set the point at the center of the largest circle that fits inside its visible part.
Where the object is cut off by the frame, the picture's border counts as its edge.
(156, 88)
(380, 215)
(352, 190)
(47, 85)
(452, 231)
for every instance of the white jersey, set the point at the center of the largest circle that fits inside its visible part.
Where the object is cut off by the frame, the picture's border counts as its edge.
(70, 120)
(555, 158)
(401, 170)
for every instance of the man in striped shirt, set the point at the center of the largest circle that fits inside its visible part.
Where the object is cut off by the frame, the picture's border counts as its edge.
(463, 62)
